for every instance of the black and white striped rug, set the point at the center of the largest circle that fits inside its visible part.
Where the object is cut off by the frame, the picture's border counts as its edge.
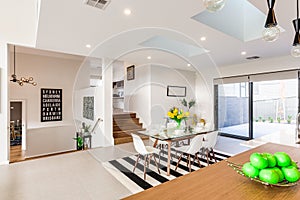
(122, 168)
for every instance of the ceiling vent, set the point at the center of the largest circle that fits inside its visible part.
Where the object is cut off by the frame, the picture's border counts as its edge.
(102, 4)
(253, 57)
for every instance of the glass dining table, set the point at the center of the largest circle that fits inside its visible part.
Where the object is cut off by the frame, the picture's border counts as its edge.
(172, 135)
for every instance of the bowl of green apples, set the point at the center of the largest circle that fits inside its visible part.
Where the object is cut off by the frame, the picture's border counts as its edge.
(276, 169)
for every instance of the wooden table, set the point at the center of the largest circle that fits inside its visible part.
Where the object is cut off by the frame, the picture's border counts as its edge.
(172, 138)
(219, 181)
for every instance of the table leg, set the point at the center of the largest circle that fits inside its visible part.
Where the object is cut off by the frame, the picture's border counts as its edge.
(155, 143)
(169, 158)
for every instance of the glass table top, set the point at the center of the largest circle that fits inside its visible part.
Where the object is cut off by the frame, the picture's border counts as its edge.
(172, 134)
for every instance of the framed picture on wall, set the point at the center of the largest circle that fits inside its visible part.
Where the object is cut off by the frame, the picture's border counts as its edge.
(130, 73)
(176, 91)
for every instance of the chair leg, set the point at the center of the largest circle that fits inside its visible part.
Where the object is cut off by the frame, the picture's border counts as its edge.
(207, 157)
(189, 163)
(156, 164)
(137, 160)
(145, 164)
(179, 159)
(213, 153)
(198, 160)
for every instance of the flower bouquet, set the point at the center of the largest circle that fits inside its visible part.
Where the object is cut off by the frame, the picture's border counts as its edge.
(177, 115)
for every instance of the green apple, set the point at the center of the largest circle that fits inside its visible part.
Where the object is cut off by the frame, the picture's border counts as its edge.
(279, 172)
(293, 163)
(291, 173)
(269, 175)
(249, 170)
(258, 161)
(271, 159)
(283, 159)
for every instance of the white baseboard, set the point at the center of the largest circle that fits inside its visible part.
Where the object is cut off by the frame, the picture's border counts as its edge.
(4, 162)
(51, 153)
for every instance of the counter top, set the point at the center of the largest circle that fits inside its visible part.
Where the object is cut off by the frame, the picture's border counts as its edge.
(219, 181)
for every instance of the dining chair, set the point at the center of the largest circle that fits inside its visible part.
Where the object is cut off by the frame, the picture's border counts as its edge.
(191, 150)
(146, 151)
(209, 143)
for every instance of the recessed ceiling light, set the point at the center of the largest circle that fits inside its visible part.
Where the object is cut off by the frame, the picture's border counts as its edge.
(127, 11)
(149, 57)
(88, 46)
(203, 38)
(188, 64)
(243, 53)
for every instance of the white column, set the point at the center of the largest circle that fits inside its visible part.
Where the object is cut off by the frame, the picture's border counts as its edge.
(107, 101)
(4, 105)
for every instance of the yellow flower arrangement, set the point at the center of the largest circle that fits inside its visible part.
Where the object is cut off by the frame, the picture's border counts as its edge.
(177, 115)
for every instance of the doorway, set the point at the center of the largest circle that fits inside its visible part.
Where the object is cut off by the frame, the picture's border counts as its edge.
(17, 130)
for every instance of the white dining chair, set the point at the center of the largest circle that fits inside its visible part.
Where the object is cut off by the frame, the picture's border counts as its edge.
(146, 151)
(191, 150)
(209, 143)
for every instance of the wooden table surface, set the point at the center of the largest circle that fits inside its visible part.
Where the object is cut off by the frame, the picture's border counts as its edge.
(219, 181)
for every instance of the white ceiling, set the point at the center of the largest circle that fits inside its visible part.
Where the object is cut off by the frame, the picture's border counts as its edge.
(68, 25)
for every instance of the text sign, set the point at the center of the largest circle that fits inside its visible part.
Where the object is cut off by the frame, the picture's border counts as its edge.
(51, 105)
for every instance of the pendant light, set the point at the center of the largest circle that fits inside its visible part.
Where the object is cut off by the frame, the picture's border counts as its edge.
(271, 32)
(296, 44)
(214, 5)
(23, 79)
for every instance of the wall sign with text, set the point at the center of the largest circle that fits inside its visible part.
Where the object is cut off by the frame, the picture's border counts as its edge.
(51, 105)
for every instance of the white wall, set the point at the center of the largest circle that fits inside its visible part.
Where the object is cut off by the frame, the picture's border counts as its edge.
(161, 77)
(4, 125)
(97, 92)
(19, 21)
(118, 71)
(147, 93)
(137, 93)
(261, 65)
(48, 72)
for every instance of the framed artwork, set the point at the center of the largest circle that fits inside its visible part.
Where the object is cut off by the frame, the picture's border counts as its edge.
(176, 91)
(130, 72)
(88, 108)
(51, 105)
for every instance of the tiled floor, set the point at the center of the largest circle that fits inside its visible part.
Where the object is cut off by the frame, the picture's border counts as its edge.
(78, 175)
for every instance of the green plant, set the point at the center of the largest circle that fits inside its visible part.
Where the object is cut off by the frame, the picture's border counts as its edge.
(79, 140)
(85, 127)
(260, 118)
(256, 120)
(263, 120)
(289, 119)
(278, 119)
(271, 119)
(188, 104)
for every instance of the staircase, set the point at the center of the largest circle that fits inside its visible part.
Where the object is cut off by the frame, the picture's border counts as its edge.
(123, 125)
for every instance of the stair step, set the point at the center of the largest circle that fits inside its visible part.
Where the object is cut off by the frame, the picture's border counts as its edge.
(126, 133)
(123, 140)
(124, 116)
(127, 127)
(126, 121)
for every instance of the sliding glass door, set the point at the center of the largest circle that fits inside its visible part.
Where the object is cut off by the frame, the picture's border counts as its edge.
(275, 106)
(233, 109)
(252, 106)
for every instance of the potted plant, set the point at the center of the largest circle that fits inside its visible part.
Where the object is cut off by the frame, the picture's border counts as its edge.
(278, 119)
(289, 119)
(79, 143)
(271, 119)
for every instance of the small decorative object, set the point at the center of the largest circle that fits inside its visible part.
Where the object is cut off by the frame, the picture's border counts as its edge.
(130, 73)
(276, 169)
(177, 115)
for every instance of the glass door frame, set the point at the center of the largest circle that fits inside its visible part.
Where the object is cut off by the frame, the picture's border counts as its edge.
(250, 104)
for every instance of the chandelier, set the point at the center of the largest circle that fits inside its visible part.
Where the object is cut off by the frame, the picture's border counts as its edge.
(22, 80)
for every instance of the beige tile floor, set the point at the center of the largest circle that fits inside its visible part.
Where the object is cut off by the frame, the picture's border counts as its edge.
(73, 176)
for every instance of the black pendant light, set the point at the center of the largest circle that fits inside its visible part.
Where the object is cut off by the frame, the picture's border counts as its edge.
(296, 44)
(271, 32)
(22, 80)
